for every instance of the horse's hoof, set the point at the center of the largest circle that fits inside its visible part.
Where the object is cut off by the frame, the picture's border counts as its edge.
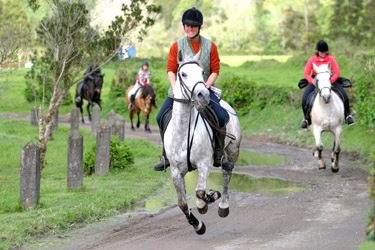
(223, 212)
(335, 170)
(322, 168)
(201, 229)
(203, 210)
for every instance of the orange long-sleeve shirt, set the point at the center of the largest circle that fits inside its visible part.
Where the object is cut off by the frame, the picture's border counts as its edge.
(318, 61)
(172, 63)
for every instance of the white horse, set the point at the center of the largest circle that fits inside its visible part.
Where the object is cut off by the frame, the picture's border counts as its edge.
(327, 115)
(188, 141)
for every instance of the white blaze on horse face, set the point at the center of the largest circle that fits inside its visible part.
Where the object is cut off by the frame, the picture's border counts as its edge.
(324, 80)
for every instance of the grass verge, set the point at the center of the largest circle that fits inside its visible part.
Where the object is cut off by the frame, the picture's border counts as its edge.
(61, 209)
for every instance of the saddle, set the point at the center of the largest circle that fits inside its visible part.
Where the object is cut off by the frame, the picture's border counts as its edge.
(311, 98)
(208, 114)
(345, 82)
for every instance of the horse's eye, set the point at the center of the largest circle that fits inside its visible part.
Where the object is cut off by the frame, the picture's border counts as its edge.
(184, 74)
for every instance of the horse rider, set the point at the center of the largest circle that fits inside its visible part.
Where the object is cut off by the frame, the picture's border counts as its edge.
(322, 56)
(189, 45)
(90, 74)
(143, 78)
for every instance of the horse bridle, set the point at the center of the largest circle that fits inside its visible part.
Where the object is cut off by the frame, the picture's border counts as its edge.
(317, 83)
(186, 92)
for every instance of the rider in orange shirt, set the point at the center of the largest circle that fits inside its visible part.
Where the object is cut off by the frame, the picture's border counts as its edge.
(322, 56)
(191, 44)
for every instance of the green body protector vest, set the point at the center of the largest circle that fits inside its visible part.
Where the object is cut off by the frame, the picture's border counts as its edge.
(205, 56)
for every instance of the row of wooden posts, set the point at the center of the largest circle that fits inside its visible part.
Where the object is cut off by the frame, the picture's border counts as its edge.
(102, 129)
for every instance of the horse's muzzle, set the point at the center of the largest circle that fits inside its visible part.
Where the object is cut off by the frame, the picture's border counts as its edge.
(327, 98)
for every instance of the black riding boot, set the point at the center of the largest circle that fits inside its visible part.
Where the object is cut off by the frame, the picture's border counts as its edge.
(164, 162)
(219, 155)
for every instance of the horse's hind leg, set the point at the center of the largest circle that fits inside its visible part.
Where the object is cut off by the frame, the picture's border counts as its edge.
(319, 148)
(131, 114)
(336, 151)
(79, 105)
(179, 184)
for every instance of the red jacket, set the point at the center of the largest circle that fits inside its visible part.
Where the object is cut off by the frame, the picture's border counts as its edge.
(318, 61)
(172, 64)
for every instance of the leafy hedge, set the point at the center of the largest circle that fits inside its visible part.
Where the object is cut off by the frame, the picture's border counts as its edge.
(365, 94)
(245, 96)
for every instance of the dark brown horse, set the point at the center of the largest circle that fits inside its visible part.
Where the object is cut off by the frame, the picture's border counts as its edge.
(144, 101)
(91, 92)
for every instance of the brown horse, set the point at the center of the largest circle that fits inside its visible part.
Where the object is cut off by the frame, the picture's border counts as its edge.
(91, 92)
(144, 101)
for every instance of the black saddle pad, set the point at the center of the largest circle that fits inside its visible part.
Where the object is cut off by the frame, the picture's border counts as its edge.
(165, 119)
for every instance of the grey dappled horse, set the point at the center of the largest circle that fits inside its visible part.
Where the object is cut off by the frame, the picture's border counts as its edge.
(188, 139)
(327, 115)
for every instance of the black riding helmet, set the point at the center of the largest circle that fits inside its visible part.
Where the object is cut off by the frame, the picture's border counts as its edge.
(321, 46)
(145, 63)
(192, 17)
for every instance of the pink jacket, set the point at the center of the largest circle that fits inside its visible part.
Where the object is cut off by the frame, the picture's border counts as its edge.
(318, 61)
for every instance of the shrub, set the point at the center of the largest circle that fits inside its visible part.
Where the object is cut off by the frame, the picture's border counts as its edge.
(121, 157)
(244, 95)
(365, 94)
(370, 230)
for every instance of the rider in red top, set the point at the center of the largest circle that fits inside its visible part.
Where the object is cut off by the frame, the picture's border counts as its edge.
(322, 56)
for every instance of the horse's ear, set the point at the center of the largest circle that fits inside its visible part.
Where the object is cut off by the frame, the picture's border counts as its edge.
(180, 57)
(315, 67)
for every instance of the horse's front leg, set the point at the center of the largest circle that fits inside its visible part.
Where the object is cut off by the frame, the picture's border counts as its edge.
(203, 197)
(319, 147)
(89, 104)
(224, 204)
(179, 184)
(138, 121)
(147, 124)
(336, 151)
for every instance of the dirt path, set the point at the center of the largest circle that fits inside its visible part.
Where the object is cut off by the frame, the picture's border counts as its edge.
(330, 214)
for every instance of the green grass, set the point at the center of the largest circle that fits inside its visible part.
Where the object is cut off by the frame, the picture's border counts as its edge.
(61, 209)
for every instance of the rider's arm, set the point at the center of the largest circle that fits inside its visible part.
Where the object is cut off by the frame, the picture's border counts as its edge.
(335, 69)
(308, 69)
(172, 64)
(214, 66)
(172, 78)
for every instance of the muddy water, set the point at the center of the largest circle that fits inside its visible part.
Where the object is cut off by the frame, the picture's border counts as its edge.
(239, 182)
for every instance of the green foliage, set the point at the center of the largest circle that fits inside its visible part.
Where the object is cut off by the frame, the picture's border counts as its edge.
(247, 96)
(365, 93)
(121, 157)
(370, 230)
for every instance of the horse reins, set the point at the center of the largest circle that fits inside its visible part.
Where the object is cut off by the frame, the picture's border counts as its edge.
(187, 93)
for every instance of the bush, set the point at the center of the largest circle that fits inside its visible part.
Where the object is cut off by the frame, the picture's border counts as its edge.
(120, 157)
(245, 96)
(365, 94)
(370, 230)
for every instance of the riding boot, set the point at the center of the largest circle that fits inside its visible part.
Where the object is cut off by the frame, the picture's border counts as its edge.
(163, 164)
(219, 154)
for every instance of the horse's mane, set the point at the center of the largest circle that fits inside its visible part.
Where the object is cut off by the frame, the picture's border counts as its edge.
(147, 90)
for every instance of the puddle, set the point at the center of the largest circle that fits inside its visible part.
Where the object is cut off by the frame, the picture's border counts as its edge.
(239, 183)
